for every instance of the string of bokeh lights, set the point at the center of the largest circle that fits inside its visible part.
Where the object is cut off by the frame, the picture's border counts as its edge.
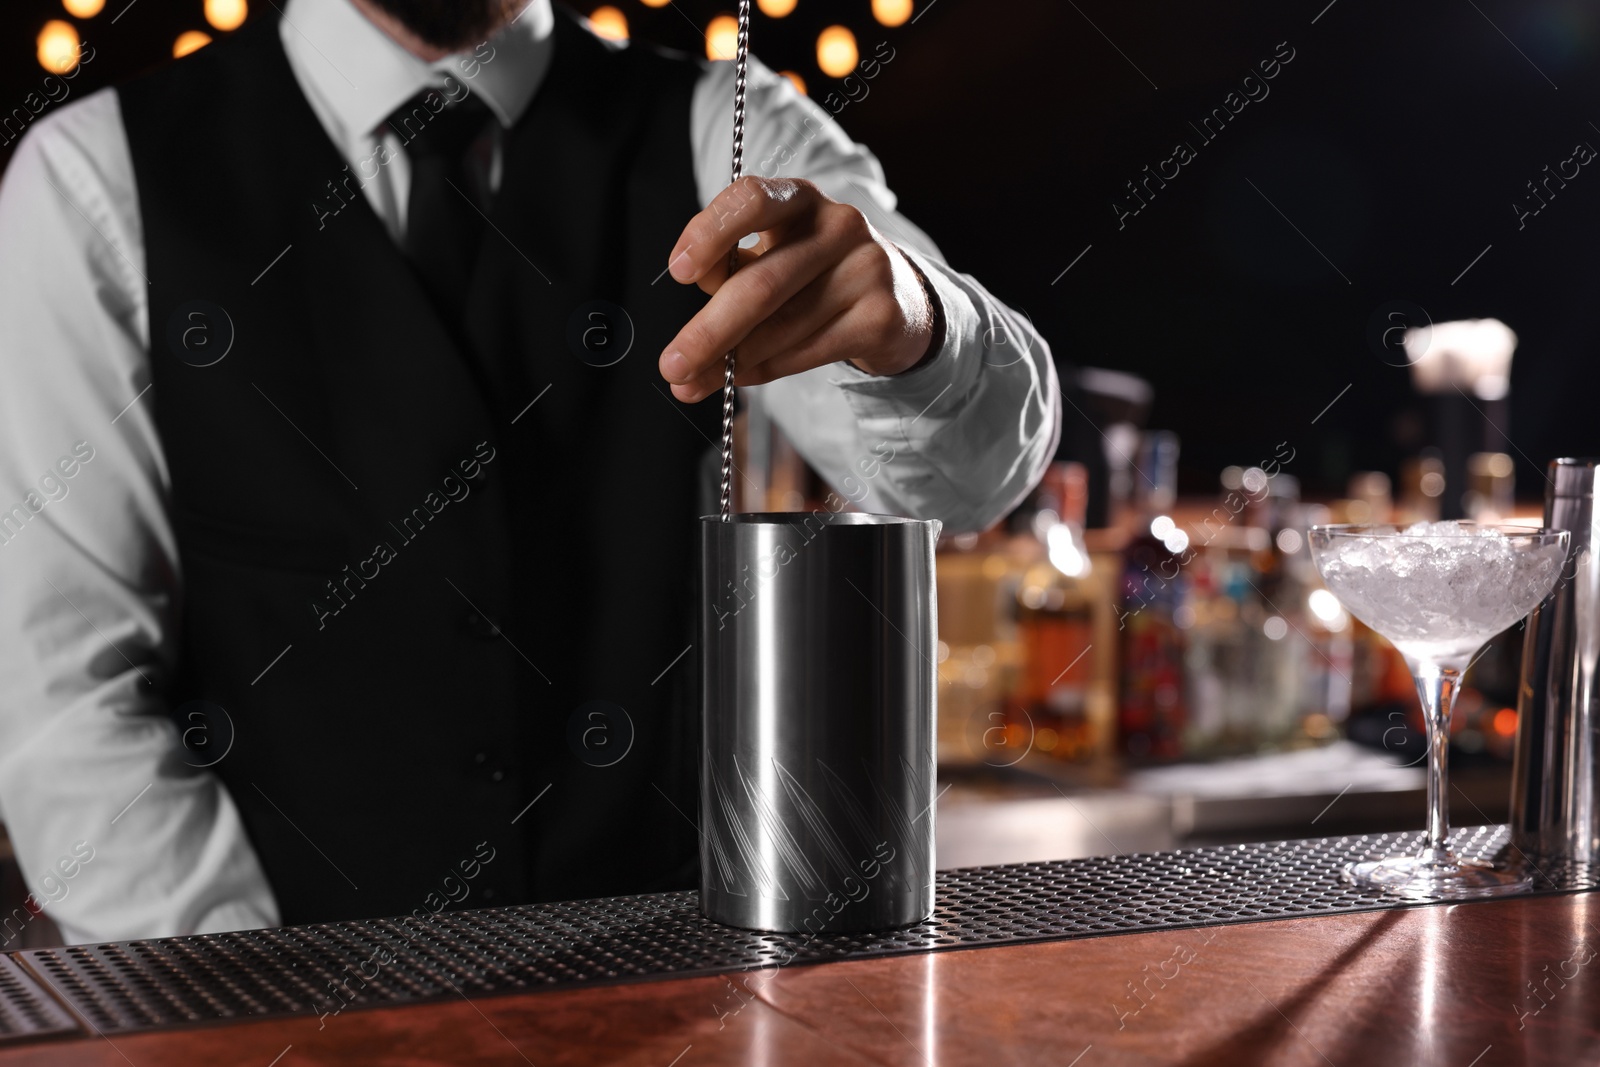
(59, 43)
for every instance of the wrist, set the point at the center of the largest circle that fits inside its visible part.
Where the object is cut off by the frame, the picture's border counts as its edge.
(936, 323)
(930, 326)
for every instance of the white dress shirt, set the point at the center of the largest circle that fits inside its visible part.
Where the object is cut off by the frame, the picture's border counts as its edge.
(90, 585)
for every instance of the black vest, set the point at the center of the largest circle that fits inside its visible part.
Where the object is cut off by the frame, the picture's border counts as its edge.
(406, 602)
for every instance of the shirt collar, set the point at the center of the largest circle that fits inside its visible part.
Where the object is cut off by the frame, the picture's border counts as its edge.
(361, 75)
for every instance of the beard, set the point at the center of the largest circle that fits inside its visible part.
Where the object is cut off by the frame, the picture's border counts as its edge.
(451, 24)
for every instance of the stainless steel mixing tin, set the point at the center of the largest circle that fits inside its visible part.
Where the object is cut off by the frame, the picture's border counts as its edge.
(1555, 789)
(818, 643)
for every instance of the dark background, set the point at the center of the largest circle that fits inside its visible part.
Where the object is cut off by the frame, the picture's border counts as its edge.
(1395, 142)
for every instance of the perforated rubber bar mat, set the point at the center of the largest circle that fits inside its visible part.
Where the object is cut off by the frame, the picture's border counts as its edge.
(174, 982)
(26, 1010)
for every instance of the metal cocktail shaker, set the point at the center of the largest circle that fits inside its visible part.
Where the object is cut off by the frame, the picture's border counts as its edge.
(1555, 786)
(818, 644)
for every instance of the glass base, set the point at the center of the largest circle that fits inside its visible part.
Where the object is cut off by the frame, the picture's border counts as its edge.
(1415, 878)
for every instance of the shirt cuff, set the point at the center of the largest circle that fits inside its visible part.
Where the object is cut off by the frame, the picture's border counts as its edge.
(936, 385)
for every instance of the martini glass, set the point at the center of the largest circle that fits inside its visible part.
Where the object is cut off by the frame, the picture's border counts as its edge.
(1438, 591)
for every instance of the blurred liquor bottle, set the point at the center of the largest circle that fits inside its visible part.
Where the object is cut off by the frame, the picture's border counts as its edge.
(1310, 629)
(1421, 487)
(978, 652)
(1283, 640)
(1268, 662)
(1369, 498)
(1491, 487)
(1063, 693)
(1152, 710)
(1214, 647)
(1222, 622)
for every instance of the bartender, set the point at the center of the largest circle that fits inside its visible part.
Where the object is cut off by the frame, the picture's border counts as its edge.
(354, 443)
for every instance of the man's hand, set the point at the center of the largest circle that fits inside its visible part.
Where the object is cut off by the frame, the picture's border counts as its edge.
(821, 286)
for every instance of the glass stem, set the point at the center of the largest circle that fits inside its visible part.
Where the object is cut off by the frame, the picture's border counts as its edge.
(1438, 685)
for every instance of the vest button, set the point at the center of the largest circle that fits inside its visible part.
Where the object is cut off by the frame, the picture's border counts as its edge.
(480, 627)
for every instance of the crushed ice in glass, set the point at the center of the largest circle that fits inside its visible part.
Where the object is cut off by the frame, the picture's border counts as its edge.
(1443, 588)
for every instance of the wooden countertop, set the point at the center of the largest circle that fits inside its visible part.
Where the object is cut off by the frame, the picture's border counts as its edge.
(1445, 984)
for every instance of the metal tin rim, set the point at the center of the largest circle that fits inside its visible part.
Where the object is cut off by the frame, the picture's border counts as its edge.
(793, 518)
(1573, 476)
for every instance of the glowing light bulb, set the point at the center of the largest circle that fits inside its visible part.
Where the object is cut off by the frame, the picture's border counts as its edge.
(608, 22)
(83, 9)
(836, 51)
(189, 41)
(775, 8)
(58, 47)
(226, 15)
(891, 12)
(799, 82)
(655, 3)
(722, 37)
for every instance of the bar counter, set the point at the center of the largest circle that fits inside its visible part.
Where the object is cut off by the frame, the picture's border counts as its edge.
(1478, 984)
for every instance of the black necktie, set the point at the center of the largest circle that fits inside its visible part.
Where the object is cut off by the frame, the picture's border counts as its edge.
(448, 146)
